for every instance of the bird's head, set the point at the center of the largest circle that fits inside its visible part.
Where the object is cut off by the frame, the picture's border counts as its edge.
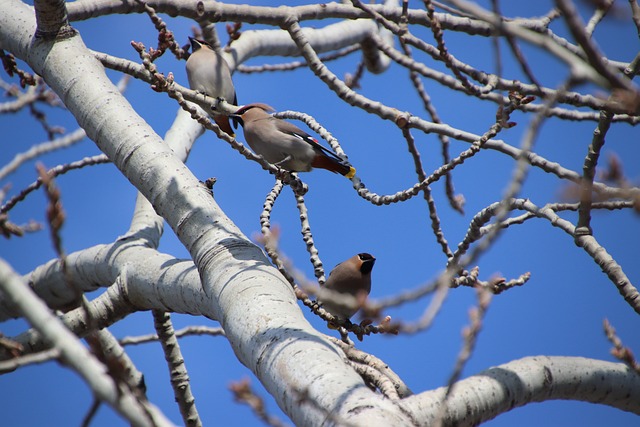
(196, 44)
(254, 111)
(367, 262)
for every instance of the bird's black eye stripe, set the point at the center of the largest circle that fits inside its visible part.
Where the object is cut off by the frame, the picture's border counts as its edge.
(365, 256)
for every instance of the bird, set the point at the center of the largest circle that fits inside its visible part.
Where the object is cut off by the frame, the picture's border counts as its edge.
(352, 277)
(286, 145)
(209, 73)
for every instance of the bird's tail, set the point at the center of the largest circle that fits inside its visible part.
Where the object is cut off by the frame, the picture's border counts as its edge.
(333, 165)
(223, 124)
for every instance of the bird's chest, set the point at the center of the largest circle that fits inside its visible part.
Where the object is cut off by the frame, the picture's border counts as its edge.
(208, 80)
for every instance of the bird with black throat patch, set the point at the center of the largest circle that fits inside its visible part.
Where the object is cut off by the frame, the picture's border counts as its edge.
(351, 277)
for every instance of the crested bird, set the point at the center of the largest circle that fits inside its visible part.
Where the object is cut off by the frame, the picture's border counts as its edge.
(352, 277)
(209, 73)
(286, 145)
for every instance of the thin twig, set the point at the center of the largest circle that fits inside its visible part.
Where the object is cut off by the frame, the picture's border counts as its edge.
(619, 351)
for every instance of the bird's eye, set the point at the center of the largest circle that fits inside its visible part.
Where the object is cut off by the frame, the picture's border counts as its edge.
(365, 256)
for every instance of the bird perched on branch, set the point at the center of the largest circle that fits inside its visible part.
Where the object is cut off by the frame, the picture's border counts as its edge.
(286, 145)
(352, 277)
(209, 73)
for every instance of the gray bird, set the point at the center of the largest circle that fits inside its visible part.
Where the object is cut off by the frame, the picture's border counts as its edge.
(286, 145)
(208, 73)
(352, 277)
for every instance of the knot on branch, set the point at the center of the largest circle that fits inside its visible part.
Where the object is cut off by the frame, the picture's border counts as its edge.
(64, 32)
(582, 231)
(402, 120)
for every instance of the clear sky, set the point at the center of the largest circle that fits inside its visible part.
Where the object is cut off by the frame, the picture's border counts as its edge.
(558, 312)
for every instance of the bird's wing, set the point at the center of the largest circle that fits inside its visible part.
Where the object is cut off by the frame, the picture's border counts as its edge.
(300, 134)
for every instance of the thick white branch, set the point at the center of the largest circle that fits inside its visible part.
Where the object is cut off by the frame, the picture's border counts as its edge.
(254, 43)
(74, 354)
(533, 379)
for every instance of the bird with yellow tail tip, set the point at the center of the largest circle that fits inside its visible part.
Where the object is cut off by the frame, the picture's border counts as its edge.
(286, 145)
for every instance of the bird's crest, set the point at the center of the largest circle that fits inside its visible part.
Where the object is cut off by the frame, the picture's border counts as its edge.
(245, 108)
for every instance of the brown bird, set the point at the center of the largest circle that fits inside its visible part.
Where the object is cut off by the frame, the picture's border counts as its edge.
(352, 277)
(209, 73)
(286, 145)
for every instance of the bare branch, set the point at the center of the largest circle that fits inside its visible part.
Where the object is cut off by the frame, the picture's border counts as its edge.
(177, 368)
(243, 393)
(74, 354)
(619, 351)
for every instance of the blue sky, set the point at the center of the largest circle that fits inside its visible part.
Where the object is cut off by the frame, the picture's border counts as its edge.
(558, 312)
